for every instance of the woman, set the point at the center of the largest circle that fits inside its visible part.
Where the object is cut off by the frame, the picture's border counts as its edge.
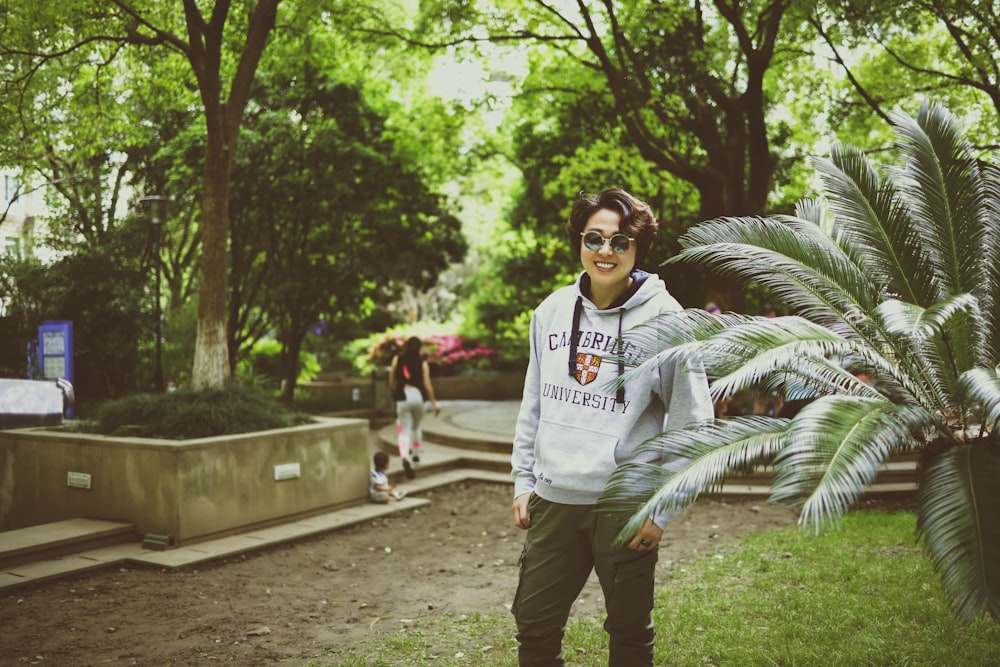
(410, 382)
(574, 428)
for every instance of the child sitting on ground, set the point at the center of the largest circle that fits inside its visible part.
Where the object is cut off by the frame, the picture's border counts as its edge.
(379, 489)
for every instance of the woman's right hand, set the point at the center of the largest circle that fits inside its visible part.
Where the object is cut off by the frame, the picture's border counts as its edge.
(520, 508)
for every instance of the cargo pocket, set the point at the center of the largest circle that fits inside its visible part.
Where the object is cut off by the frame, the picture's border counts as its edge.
(630, 599)
(534, 512)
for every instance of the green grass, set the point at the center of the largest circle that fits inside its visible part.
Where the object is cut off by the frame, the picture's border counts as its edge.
(860, 595)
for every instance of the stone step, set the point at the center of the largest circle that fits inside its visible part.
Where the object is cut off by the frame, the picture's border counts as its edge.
(52, 540)
(41, 565)
(45, 569)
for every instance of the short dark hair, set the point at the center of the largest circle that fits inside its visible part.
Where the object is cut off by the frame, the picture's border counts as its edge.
(637, 221)
(381, 460)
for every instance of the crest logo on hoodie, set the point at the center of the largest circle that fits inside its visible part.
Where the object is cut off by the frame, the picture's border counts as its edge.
(587, 366)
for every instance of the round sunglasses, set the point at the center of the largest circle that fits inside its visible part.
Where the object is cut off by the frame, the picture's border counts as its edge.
(595, 241)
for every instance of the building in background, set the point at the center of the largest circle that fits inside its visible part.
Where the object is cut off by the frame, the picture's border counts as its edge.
(21, 212)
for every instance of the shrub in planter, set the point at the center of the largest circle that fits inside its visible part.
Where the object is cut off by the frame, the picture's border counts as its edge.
(894, 280)
(187, 414)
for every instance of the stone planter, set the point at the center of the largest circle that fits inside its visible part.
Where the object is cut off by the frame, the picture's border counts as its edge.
(183, 490)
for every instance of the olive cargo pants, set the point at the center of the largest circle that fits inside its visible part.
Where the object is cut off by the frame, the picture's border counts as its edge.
(562, 546)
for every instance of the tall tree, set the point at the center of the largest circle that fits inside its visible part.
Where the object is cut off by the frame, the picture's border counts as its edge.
(222, 47)
(913, 49)
(327, 218)
(686, 80)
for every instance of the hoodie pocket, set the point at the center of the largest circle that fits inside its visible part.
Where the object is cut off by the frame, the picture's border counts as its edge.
(574, 458)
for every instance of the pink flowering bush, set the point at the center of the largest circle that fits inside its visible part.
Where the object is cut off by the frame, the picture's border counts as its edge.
(448, 354)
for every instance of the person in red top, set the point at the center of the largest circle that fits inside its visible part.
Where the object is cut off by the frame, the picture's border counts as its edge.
(410, 382)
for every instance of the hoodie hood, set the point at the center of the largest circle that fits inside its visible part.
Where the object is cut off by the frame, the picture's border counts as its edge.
(633, 297)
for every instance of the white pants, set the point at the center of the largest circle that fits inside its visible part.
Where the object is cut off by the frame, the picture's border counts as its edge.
(409, 413)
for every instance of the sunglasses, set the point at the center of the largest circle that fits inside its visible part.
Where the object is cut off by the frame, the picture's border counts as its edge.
(595, 241)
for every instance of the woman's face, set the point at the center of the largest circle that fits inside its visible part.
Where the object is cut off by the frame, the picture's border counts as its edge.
(608, 270)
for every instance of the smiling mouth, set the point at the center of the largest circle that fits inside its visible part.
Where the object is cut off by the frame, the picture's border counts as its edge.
(606, 266)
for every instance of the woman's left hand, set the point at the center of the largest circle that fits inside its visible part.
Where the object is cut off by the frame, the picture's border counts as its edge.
(647, 538)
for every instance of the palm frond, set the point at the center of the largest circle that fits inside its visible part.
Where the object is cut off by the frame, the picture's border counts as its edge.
(740, 351)
(799, 264)
(833, 449)
(873, 226)
(911, 320)
(812, 211)
(902, 266)
(959, 521)
(843, 304)
(813, 373)
(988, 282)
(699, 458)
(668, 336)
(678, 330)
(934, 335)
(982, 387)
(942, 190)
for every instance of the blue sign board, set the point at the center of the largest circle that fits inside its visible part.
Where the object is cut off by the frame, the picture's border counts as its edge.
(55, 351)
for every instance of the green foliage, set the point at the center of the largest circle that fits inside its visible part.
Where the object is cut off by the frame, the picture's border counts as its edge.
(180, 329)
(911, 50)
(894, 281)
(23, 295)
(447, 353)
(262, 366)
(525, 267)
(322, 402)
(186, 414)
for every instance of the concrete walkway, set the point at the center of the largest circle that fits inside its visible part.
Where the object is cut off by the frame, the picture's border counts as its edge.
(469, 440)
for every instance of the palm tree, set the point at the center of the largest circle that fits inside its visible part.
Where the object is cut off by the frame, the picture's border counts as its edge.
(894, 278)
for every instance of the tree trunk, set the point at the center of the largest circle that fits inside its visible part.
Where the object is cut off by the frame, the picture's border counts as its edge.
(290, 356)
(222, 121)
(211, 355)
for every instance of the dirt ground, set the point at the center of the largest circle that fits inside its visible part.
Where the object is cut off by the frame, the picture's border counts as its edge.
(457, 555)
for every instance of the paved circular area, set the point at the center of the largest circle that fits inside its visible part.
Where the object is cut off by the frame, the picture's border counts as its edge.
(493, 417)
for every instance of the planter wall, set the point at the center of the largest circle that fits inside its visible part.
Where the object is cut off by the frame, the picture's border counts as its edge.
(188, 490)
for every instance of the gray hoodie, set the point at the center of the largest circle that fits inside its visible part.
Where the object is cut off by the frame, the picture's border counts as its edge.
(573, 428)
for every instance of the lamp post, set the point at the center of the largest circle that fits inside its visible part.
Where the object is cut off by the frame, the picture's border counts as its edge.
(157, 203)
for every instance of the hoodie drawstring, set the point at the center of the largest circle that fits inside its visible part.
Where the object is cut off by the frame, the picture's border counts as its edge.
(620, 396)
(573, 335)
(619, 344)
